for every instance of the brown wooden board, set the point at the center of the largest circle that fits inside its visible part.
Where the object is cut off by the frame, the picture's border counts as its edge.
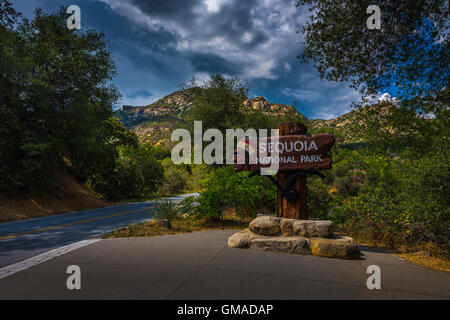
(296, 152)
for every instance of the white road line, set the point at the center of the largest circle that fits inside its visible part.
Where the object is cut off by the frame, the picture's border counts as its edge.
(31, 262)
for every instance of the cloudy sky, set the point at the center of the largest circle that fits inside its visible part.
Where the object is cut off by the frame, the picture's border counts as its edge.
(158, 44)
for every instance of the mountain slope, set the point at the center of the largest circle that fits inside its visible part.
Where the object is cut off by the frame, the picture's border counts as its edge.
(155, 122)
(67, 195)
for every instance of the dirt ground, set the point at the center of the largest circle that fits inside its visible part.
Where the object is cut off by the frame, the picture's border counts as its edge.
(67, 196)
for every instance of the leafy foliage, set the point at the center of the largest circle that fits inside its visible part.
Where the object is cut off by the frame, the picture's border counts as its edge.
(397, 188)
(220, 104)
(56, 112)
(175, 178)
(165, 210)
(410, 51)
(226, 189)
(136, 174)
(57, 98)
(395, 199)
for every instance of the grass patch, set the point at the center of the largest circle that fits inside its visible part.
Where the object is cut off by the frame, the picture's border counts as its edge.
(428, 255)
(424, 259)
(180, 224)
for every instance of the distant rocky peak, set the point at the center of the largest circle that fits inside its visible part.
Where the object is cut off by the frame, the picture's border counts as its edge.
(127, 108)
(261, 103)
(258, 103)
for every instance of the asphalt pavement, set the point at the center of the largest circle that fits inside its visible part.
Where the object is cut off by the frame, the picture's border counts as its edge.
(24, 239)
(200, 266)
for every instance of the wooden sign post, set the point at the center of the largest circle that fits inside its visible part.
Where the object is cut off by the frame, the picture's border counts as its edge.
(299, 208)
(297, 155)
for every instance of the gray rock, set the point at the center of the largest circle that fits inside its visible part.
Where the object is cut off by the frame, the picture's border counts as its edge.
(239, 240)
(296, 245)
(303, 247)
(313, 228)
(286, 226)
(265, 225)
(334, 248)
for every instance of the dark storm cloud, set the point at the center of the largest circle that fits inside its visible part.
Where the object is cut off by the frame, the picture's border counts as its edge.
(251, 39)
(182, 10)
(158, 44)
(231, 21)
(143, 93)
(212, 63)
(238, 36)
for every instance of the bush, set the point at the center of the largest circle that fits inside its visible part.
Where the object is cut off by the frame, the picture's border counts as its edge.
(175, 181)
(157, 152)
(136, 175)
(318, 198)
(345, 186)
(404, 200)
(189, 205)
(199, 173)
(164, 211)
(175, 178)
(226, 189)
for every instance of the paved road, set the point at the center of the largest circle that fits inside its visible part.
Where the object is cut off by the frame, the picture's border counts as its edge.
(200, 266)
(20, 240)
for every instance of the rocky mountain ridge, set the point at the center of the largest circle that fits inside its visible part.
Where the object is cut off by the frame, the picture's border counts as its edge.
(153, 123)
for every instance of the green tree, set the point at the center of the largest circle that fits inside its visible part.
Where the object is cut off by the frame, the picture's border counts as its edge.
(135, 174)
(219, 105)
(57, 97)
(140, 174)
(175, 177)
(408, 55)
(410, 50)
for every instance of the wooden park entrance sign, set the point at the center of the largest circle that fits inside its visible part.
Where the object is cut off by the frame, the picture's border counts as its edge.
(297, 155)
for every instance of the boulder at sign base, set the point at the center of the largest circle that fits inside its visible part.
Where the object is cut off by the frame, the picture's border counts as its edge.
(286, 226)
(313, 228)
(239, 240)
(334, 248)
(265, 225)
(305, 237)
(296, 245)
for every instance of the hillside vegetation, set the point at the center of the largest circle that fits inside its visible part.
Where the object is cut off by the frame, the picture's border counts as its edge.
(154, 123)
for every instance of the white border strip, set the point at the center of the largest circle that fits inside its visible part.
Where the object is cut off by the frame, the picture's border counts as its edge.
(31, 262)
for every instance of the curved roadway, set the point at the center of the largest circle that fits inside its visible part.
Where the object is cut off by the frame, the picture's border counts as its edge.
(23, 239)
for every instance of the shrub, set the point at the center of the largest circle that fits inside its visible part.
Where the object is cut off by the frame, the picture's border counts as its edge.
(139, 173)
(136, 175)
(226, 189)
(164, 211)
(175, 180)
(175, 177)
(199, 173)
(345, 185)
(318, 198)
(188, 205)
(403, 200)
